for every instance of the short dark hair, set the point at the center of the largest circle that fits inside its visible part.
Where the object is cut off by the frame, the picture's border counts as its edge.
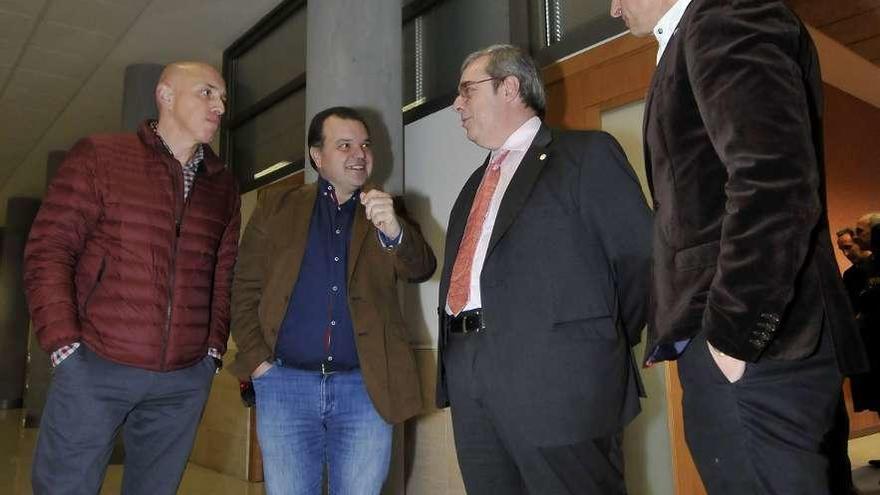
(316, 127)
(846, 231)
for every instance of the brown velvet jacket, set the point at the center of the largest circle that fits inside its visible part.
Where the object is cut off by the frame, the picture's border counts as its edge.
(268, 266)
(733, 145)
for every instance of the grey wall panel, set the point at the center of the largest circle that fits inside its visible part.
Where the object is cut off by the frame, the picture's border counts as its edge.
(20, 213)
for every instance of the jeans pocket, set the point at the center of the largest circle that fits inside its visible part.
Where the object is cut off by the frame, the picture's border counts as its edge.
(271, 369)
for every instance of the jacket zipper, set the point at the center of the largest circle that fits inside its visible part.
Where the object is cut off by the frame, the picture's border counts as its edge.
(177, 186)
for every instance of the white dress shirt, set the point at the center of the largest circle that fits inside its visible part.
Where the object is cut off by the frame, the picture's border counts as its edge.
(668, 24)
(517, 145)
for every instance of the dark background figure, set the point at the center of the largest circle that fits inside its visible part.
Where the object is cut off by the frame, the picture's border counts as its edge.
(866, 386)
(854, 277)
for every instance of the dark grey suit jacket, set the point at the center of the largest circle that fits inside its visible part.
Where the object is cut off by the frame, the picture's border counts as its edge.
(564, 286)
(733, 145)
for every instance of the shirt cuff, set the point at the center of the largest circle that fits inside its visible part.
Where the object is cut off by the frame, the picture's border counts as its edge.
(63, 353)
(388, 243)
(218, 359)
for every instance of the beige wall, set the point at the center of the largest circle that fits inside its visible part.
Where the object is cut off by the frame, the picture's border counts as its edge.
(224, 433)
(646, 440)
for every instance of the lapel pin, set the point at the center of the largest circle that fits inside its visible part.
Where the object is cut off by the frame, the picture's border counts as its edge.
(543, 156)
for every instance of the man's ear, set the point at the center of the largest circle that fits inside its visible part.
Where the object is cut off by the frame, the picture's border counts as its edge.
(315, 153)
(510, 88)
(164, 94)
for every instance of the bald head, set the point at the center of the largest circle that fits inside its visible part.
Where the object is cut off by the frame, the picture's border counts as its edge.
(191, 98)
(178, 75)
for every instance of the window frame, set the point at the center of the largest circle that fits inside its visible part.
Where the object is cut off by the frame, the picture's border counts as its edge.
(234, 120)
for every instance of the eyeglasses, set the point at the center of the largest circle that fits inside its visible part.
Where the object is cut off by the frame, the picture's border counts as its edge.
(466, 87)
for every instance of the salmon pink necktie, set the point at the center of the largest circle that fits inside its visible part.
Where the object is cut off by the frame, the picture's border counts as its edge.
(460, 281)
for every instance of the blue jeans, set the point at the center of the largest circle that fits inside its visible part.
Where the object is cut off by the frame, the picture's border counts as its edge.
(306, 419)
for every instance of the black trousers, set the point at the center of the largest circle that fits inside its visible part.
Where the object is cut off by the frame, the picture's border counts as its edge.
(769, 432)
(495, 458)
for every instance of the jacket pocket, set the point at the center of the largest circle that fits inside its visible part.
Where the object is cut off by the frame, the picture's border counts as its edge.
(594, 328)
(85, 304)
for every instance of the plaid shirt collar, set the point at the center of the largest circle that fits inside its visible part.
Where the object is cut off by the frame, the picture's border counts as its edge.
(196, 158)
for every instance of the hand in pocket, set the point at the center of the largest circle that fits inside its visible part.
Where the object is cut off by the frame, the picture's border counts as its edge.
(731, 367)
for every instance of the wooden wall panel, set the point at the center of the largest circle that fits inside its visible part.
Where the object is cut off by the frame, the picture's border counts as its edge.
(608, 76)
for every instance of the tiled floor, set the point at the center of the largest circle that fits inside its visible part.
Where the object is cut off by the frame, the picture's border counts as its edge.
(17, 444)
(866, 478)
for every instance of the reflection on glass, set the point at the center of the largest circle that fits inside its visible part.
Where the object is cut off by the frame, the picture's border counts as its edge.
(271, 63)
(435, 43)
(273, 136)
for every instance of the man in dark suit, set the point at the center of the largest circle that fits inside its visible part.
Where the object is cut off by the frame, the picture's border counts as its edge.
(543, 292)
(747, 294)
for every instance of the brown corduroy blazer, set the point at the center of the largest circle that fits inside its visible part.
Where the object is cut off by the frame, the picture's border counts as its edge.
(268, 266)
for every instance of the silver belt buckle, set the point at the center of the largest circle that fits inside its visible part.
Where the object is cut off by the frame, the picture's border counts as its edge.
(464, 329)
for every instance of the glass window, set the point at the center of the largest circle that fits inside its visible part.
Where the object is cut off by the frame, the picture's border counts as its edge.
(269, 64)
(265, 69)
(562, 27)
(437, 40)
(276, 135)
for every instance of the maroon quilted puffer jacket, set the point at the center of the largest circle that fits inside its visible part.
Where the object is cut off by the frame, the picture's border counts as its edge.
(118, 261)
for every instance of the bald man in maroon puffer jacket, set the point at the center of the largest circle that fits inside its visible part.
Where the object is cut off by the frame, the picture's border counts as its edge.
(128, 271)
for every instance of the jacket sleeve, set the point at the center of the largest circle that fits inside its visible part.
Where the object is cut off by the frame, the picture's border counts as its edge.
(223, 272)
(742, 60)
(247, 292)
(612, 202)
(68, 215)
(414, 260)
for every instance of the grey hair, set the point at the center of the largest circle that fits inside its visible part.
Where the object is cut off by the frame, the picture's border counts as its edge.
(508, 60)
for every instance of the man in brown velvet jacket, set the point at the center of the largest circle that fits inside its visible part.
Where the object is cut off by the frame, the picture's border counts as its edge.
(747, 294)
(316, 317)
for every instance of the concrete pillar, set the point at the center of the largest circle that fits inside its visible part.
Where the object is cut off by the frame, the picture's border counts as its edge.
(14, 318)
(354, 59)
(39, 371)
(53, 162)
(138, 100)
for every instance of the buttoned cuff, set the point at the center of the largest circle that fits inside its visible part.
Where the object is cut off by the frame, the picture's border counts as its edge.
(63, 353)
(388, 243)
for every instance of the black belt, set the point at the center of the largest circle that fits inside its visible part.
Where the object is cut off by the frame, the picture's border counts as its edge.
(470, 321)
(325, 368)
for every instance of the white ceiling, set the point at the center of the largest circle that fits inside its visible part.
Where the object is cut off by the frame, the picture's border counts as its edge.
(62, 65)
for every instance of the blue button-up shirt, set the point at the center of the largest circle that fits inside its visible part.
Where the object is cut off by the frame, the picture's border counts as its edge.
(317, 327)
